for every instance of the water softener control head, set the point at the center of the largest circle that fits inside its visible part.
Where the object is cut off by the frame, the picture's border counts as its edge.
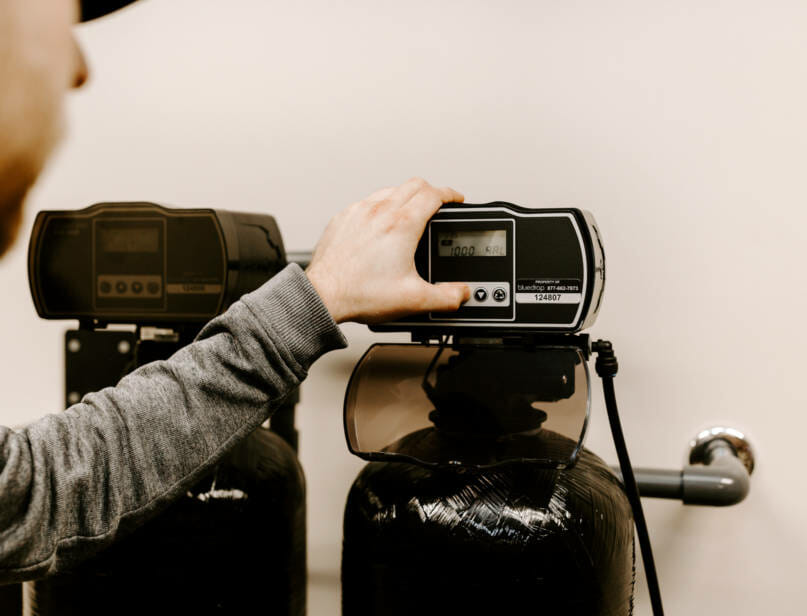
(142, 263)
(529, 270)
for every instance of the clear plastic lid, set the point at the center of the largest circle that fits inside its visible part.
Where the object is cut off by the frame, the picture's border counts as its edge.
(476, 406)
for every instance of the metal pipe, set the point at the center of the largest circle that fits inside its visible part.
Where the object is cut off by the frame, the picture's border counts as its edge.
(300, 257)
(721, 477)
(657, 482)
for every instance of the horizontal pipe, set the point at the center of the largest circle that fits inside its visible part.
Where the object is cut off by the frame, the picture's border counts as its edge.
(721, 481)
(658, 483)
(301, 258)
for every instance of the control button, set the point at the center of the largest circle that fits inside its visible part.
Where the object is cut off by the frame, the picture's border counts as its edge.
(499, 294)
(480, 294)
(120, 287)
(105, 287)
(153, 288)
(137, 288)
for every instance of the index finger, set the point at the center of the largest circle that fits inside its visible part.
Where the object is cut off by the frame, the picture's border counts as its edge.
(449, 195)
(425, 203)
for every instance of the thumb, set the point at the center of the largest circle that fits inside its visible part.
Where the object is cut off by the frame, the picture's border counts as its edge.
(446, 296)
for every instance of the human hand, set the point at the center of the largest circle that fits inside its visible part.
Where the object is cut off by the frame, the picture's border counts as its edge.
(364, 265)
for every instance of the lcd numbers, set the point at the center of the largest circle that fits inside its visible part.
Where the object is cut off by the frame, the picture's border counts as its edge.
(485, 243)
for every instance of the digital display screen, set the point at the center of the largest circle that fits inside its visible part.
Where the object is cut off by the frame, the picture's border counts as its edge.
(482, 243)
(130, 239)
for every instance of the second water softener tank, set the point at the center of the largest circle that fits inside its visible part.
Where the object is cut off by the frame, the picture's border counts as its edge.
(474, 519)
(233, 544)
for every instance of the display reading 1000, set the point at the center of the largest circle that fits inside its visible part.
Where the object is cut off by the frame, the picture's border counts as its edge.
(485, 243)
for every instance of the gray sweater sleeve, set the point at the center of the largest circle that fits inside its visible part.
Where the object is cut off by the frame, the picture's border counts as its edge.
(70, 481)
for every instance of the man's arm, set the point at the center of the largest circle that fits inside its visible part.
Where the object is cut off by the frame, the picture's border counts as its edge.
(70, 480)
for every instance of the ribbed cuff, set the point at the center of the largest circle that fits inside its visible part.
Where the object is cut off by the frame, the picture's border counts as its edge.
(290, 306)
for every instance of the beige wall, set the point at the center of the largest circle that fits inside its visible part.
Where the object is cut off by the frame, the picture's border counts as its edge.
(681, 125)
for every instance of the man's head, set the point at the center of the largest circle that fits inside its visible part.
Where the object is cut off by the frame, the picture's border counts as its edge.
(39, 61)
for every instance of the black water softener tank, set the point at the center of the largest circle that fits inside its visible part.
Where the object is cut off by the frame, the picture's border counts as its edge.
(234, 544)
(497, 530)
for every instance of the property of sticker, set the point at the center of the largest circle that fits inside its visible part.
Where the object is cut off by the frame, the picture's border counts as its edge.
(549, 291)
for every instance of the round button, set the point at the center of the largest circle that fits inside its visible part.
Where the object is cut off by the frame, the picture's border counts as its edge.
(105, 287)
(499, 294)
(121, 286)
(480, 294)
(153, 288)
(137, 287)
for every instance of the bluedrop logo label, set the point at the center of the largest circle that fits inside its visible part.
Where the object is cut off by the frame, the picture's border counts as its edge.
(549, 291)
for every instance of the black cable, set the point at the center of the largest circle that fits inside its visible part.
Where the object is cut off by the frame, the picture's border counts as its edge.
(607, 367)
(432, 363)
